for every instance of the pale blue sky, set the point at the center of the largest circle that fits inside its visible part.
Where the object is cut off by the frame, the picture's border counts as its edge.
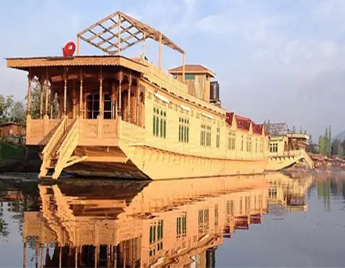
(279, 60)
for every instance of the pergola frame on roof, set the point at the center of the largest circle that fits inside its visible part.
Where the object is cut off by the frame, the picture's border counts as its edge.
(121, 32)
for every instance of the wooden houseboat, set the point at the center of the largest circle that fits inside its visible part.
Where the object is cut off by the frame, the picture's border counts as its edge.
(125, 117)
(171, 223)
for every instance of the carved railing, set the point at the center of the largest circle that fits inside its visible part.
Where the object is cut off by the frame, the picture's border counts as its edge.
(165, 80)
(34, 128)
(66, 149)
(99, 128)
(287, 153)
(131, 132)
(109, 128)
(51, 146)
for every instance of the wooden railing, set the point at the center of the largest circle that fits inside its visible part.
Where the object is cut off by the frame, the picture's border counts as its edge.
(66, 148)
(165, 80)
(51, 147)
(99, 128)
(132, 133)
(287, 153)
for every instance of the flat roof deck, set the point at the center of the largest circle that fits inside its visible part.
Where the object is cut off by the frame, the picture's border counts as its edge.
(25, 64)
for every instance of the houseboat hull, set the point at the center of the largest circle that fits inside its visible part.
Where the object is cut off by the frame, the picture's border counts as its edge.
(144, 162)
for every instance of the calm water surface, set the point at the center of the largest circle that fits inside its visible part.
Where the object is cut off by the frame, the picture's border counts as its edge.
(261, 221)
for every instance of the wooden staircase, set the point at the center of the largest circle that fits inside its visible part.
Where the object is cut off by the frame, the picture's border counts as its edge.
(58, 153)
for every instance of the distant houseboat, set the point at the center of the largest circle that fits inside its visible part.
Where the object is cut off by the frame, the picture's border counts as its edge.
(124, 117)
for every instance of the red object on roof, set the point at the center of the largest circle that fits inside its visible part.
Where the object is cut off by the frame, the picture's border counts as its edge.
(244, 123)
(69, 49)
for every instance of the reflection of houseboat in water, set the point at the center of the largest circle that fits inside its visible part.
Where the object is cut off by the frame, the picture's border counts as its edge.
(128, 224)
(124, 117)
(288, 192)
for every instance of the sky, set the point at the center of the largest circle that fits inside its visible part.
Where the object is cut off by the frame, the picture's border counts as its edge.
(278, 60)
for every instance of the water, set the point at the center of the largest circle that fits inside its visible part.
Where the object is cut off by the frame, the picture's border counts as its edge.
(258, 221)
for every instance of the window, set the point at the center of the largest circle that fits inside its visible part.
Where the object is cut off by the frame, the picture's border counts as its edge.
(216, 215)
(159, 123)
(183, 130)
(181, 226)
(273, 147)
(156, 237)
(230, 207)
(249, 144)
(205, 135)
(203, 221)
(242, 143)
(247, 204)
(256, 145)
(107, 107)
(232, 141)
(218, 137)
(261, 145)
(189, 76)
(92, 106)
(241, 206)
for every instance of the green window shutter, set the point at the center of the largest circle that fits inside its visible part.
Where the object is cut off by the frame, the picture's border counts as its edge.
(189, 76)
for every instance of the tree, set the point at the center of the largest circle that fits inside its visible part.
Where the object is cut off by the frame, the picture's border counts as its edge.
(35, 102)
(321, 145)
(330, 139)
(340, 151)
(326, 143)
(335, 146)
(17, 113)
(6, 103)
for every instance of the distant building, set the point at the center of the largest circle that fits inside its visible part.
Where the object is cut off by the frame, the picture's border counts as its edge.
(278, 129)
(10, 129)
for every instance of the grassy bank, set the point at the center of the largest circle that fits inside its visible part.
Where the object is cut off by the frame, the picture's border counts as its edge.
(12, 158)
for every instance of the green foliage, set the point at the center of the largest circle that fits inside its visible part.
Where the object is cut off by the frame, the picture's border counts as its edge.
(321, 145)
(9, 151)
(6, 102)
(17, 113)
(340, 151)
(35, 102)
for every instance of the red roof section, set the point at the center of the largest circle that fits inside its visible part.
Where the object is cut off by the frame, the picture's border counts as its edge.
(244, 123)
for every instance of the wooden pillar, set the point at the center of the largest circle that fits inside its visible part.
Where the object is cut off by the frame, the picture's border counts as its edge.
(76, 257)
(47, 91)
(41, 96)
(183, 66)
(52, 97)
(81, 93)
(36, 254)
(24, 253)
(78, 46)
(129, 99)
(143, 48)
(74, 101)
(65, 93)
(29, 93)
(119, 106)
(137, 121)
(60, 256)
(101, 104)
(160, 52)
(41, 250)
(119, 35)
(113, 100)
(115, 256)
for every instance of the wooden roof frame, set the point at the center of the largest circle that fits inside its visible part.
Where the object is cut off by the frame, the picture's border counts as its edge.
(110, 39)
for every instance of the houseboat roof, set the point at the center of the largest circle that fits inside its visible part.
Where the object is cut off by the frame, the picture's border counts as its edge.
(119, 31)
(60, 61)
(193, 69)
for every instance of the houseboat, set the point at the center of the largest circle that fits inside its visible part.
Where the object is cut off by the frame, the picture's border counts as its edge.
(124, 117)
(171, 223)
